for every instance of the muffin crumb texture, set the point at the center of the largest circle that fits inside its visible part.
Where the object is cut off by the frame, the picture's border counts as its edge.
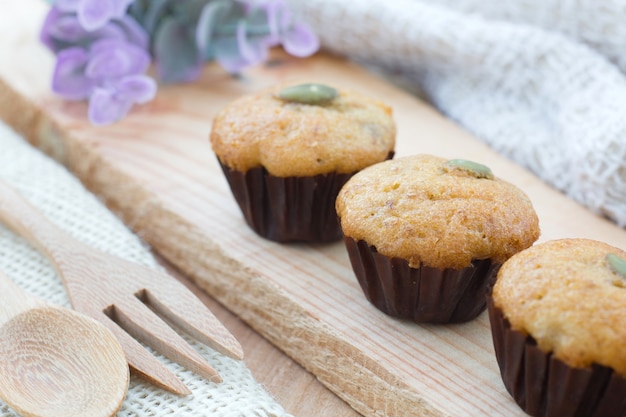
(565, 295)
(416, 209)
(295, 139)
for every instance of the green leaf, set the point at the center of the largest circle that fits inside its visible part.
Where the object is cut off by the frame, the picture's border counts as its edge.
(213, 14)
(176, 56)
(153, 16)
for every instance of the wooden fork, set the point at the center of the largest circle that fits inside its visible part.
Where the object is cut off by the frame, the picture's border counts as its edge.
(125, 296)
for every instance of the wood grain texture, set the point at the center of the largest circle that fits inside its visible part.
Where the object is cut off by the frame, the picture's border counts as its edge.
(296, 389)
(55, 361)
(156, 169)
(128, 298)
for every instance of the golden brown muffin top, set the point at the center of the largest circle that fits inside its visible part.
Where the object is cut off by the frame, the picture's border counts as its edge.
(565, 294)
(294, 139)
(417, 209)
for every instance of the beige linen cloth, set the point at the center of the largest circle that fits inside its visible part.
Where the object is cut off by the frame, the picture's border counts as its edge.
(541, 81)
(62, 198)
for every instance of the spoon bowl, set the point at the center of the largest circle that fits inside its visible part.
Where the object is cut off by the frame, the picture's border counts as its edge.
(55, 361)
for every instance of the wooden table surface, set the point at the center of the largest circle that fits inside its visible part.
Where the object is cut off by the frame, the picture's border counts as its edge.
(156, 170)
(293, 387)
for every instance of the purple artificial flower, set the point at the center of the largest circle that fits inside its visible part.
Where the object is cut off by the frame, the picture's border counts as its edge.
(297, 38)
(103, 52)
(238, 34)
(111, 58)
(117, 68)
(67, 5)
(94, 14)
(252, 50)
(104, 65)
(235, 54)
(133, 31)
(300, 40)
(110, 104)
(106, 107)
(62, 30)
(69, 79)
(113, 69)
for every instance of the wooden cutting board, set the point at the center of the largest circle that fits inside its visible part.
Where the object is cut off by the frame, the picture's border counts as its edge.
(157, 171)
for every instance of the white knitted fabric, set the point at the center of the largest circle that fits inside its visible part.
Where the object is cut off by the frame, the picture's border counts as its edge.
(538, 80)
(63, 200)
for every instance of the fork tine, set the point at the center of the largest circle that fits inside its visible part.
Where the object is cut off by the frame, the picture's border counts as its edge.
(144, 325)
(143, 363)
(184, 309)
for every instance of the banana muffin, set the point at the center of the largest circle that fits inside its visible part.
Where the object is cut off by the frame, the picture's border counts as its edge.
(426, 235)
(287, 151)
(558, 317)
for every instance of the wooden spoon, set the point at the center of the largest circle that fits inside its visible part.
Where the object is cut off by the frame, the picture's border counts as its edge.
(55, 361)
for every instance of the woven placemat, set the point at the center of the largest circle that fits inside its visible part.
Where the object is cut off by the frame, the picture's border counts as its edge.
(63, 199)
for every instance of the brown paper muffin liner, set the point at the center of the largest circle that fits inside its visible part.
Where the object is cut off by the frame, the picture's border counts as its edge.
(425, 294)
(544, 386)
(288, 209)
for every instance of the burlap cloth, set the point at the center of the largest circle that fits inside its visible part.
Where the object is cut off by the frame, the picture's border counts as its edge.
(541, 81)
(63, 200)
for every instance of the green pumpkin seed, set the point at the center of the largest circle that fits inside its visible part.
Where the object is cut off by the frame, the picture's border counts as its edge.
(617, 264)
(473, 168)
(315, 94)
